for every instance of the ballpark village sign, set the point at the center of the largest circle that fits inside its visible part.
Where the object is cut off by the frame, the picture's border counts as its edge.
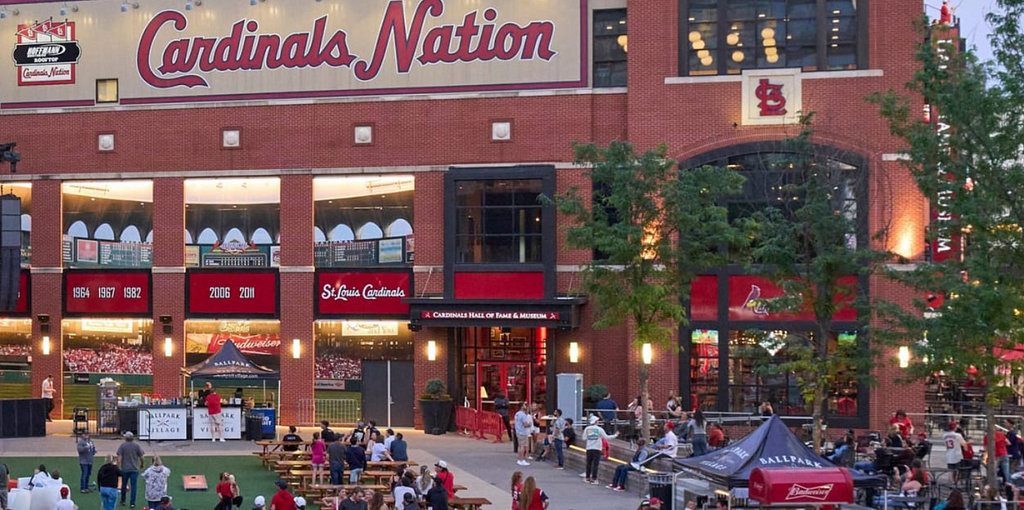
(228, 50)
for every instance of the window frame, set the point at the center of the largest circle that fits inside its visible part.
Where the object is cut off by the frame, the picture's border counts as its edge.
(823, 41)
(549, 227)
(593, 42)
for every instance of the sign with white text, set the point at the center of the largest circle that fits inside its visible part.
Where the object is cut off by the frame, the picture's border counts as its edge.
(227, 50)
(163, 424)
(370, 293)
(232, 417)
(232, 293)
(107, 293)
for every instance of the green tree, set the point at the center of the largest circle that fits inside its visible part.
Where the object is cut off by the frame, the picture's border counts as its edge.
(968, 161)
(811, 241)
(641, 207)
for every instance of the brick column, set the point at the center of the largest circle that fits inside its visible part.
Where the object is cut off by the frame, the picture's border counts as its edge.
(47, 288)
(423, 368)
(296, 294)
(168, 284)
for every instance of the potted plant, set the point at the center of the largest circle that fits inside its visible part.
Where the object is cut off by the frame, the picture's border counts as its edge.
(593, 394)
(436, 408)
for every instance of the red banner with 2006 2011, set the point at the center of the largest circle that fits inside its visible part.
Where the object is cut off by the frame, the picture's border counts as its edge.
(98, 293)
(232, 293)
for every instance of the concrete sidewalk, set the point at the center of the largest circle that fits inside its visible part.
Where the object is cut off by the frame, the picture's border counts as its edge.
(484, 467)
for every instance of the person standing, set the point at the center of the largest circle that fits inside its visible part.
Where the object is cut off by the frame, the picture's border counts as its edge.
(317, 458)
(558, 439)
(86, 452)
(955, 445)
(1013, 444)
(532, 498)
(1002, 455)
(283, 500)
(224, 493)
(336, 457)
(106, 479)
(156, 482)
(608, 408)
(501, 404)
(699, 439)
(516, 489)
(5, 478)
(48, 395)
(356, 457)
(594, 435)
(437, 496)
(524, 425)
(130, 457)
(214, 410)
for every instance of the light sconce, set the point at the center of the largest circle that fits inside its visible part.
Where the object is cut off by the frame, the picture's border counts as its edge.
(904, 356)
(647, 354)
(574, 352)
(168, 347)
(44, 328)
(46, 345)
(296, 348)
(432, 350)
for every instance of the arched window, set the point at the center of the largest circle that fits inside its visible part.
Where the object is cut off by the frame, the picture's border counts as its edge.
(26, 223)
(131, 235)
(207, 236)
(149, 237)
(78, 229)
(341, 233)
(399, 228)
(234, 235)
(318, 235)
(261, 236)
(104, 232)
(188, 237)
(369, 230)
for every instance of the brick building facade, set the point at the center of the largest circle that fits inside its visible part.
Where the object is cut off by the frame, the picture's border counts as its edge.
(168, 139)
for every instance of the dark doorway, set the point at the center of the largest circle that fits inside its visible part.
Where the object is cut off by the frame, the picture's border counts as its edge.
(392, 409)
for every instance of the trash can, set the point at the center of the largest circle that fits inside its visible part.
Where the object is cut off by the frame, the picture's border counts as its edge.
(662, 486)
(254, 426)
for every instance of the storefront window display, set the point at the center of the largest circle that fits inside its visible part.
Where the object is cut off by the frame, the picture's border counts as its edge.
(363, 221)
(232, 222)
(341, 347)
(108, 224)
(505, 360)
(108, 346)
(16, 356)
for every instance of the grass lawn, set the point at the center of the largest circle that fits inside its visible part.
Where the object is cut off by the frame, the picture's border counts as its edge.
(252, 478)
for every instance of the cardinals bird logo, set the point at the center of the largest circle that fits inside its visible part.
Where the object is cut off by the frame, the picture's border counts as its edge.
(754, 302)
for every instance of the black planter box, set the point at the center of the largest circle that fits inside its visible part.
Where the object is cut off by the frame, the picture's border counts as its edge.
(437, 416)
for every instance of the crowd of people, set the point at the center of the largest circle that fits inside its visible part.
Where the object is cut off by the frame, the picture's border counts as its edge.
(335, 366)
(108, 359)
(15, 350)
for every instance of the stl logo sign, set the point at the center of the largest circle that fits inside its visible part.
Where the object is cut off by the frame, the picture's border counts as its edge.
(754, 302)
(772, 100)
(47, 53)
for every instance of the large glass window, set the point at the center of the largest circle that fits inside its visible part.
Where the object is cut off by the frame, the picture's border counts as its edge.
(611, 44)
(363, 221)
(750, 383)
(108, 224)
(233, 222)
(108, 346)
(728, 36)
(510, 361)
(704, 368)
(498, 221)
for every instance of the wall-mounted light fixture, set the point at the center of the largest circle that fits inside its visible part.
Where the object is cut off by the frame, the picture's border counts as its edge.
(296, 348)
(574, 352)
(432, 350)
(46, 345)
(168, 347)
(647, 354)
(904, 356)
(44, 328)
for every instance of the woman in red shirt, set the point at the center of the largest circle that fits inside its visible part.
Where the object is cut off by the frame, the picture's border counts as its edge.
(224, 492)
(532, 498)
(517, 488)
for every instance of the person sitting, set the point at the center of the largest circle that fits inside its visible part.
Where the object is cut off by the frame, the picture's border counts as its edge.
(40, 478)
(843, 450)
(399, 448)
(716, 436)
(910, 489)
(895, 438)
(955, 501)
(884, 461)
(290, 437)
(668, 444)
(622, 472)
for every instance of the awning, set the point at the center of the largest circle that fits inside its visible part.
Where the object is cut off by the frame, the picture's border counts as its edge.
(784, 487)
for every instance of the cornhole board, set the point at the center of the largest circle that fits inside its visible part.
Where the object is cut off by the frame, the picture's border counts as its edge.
(194, 482)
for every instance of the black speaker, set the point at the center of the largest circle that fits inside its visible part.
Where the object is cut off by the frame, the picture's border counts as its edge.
(23, 409)
(10, 251)
(38, 414)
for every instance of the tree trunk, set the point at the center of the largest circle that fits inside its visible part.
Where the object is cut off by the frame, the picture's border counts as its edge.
(818, 418)
(645, 423)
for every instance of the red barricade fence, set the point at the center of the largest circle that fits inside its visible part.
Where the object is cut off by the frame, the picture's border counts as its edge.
(475, 423)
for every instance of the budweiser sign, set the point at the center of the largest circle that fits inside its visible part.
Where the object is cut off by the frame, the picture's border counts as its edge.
(229, 50)
(817, 492)
(364, 293)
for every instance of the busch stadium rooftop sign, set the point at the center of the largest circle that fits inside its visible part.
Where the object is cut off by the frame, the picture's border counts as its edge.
(228, 50)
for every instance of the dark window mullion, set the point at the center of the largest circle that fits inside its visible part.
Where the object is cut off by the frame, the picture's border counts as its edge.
(724, 25)
(824, 29)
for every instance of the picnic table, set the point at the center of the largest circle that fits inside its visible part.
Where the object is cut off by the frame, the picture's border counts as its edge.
(379, 477)
(325, 489)
(273, 446)
(468, 503)
(390, 464)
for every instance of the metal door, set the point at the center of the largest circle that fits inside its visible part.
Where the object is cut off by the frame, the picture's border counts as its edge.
(388, 393)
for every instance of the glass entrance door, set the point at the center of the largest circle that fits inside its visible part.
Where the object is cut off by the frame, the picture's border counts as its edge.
(510, 378)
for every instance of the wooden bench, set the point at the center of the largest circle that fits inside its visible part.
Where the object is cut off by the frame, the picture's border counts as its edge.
(379, 477)
(390, 464)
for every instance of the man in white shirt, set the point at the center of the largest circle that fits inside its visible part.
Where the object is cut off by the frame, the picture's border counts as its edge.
(65, 502)
(48, 395)
(668, 445)
(955, 444)
(523, 426)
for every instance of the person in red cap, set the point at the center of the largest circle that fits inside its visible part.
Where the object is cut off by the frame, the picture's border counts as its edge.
(65, 502)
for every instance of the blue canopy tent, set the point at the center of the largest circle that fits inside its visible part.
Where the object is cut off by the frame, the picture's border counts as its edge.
(772, 445)
(229, 363)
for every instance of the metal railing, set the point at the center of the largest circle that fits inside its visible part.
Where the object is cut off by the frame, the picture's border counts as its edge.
(336, 411)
